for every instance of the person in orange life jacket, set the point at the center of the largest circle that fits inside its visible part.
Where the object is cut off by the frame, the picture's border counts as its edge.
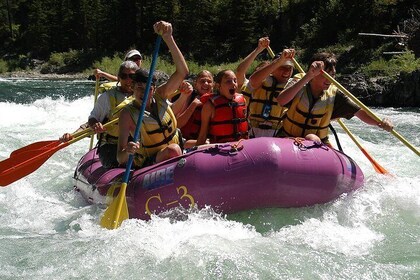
(104, 110)
(264, 112)
(243, 67)
(223, 117)
(159, 123)
(132, 55)
(314, 102)
(189, 121)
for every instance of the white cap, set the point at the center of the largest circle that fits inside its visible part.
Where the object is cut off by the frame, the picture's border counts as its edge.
(131, 54)
(287, 62)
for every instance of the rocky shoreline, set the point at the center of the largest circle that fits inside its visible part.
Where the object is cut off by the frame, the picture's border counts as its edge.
(38, 75)
(404, 91)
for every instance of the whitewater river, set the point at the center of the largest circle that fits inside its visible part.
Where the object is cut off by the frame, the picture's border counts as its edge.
(47, 231)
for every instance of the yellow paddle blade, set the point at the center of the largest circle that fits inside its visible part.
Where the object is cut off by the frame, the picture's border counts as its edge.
(117, 211)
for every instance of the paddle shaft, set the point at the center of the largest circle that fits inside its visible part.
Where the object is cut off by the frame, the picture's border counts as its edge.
(94, 102)
(143, 106)
(21, 164)
(368, 111)
(117, 211)
(378, 168)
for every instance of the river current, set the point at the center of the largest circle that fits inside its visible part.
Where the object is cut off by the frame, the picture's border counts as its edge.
(47, 230)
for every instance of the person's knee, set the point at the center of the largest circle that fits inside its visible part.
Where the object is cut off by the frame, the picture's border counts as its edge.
(313, 137)
(173, 150)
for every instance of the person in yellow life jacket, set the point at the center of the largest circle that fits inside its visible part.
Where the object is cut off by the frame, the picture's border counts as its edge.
(223, 117)
(159, 137)
(189, 121)
(313, 102)
(243, 67)
(105, 110)
(108, 107)
(264, 113)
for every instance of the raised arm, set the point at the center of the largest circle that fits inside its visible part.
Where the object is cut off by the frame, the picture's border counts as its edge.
(243, 67)
(295, 86)
(180, 105)
(260, 75)
(183, 118)
(165, 29)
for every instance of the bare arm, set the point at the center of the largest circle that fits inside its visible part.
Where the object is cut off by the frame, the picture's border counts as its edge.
(186, 115)
(290, 92)
(125, 148)
(165, 90)
(243, 67)
(260, 75)
(385, 124)
(99, 73)
(180, 105)
(206, 115)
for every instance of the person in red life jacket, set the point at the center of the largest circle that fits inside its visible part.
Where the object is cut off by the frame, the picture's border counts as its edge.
(189, 121)
(313, 102)
(159, 137)
(223, 117)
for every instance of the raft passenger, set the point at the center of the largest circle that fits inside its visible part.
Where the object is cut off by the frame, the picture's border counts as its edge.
(189, 121)
(264, 113)
(314, 102)
(159, 137)
(107, 108)
(131, 55)
(223, 117)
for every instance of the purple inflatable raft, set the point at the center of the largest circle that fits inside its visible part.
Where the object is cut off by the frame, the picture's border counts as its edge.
(231, 177)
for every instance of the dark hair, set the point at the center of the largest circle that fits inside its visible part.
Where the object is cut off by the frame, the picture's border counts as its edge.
(329, 59)
(142, 75)
(127, 65)
(219, 76)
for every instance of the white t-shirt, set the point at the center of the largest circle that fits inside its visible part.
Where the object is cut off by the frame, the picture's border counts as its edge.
(102, 106)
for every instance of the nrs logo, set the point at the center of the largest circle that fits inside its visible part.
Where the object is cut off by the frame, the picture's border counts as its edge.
(159, 178)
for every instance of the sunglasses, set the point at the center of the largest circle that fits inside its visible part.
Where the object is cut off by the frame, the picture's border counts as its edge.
(124, 76)
(135, 58)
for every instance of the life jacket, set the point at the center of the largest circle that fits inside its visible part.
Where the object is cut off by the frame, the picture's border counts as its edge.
(117, 101)
(229, 122)
(106, 86)
(192, 128)
(306, 115)
(158, 130)
(262, 103)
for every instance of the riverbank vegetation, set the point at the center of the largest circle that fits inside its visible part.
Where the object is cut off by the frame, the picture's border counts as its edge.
(77, 36)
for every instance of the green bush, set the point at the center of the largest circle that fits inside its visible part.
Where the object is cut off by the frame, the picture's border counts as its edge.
(398, 63)
(107, 64)
(3, 66)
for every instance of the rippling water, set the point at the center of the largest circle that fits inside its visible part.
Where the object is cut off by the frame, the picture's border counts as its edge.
(47, 231)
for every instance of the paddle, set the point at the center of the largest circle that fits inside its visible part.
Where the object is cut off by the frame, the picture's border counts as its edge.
(378, 168)
(368, 111)
(27, 160)
(92, 137)
(117, 211)
(44, 145)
